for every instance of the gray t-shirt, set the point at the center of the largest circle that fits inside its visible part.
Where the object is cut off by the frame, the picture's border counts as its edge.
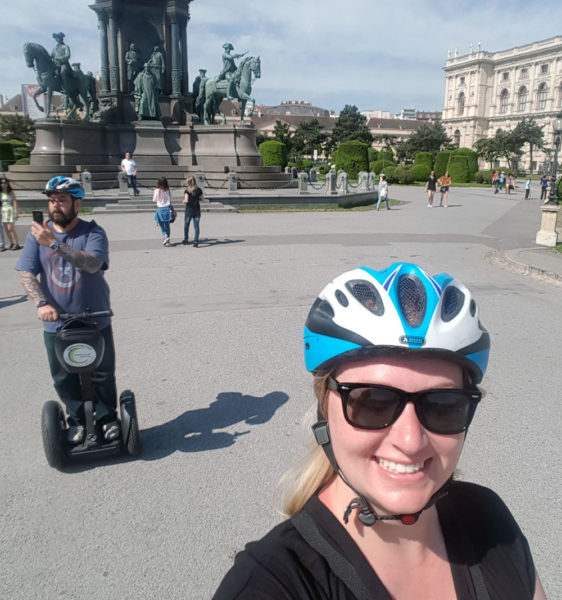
(67, 288)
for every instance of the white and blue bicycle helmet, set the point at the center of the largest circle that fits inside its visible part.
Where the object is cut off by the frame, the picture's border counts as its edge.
(398, 309)
(61, 183)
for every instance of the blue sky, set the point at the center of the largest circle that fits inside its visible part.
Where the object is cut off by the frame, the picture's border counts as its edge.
(376, 55)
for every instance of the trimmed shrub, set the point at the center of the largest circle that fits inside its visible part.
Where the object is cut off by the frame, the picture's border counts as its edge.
(458, 168)
(404, 175)
(376, 166)
(472, 161)
(421, 172)
(373, 154)
(424, 158)
(441, 161)
(6, 154)
(274, 154)
(559, 190)
(352, 157)
(388, 154)
(323, 168)
(389, 171)
(484, 176)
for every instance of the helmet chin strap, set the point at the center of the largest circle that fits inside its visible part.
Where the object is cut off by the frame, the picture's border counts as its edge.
(367, 515)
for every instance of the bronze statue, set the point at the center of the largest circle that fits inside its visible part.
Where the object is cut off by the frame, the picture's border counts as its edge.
(157, 65)
(197, 84)
(146, 94)
(214, 91)
(132, 62)
(58, 76)
(229, 68)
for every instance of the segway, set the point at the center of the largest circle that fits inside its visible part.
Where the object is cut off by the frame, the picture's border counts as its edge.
(79, 347)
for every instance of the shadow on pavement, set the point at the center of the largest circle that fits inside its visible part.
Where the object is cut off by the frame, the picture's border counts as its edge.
(11, 300)
(197, 430)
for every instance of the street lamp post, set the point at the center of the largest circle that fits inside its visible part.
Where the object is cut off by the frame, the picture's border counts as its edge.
(557, 128)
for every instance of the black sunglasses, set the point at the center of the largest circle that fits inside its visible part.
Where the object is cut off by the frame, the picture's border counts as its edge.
(372, 406)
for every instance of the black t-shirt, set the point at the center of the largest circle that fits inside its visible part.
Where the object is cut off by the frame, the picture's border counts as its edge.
(432, 184)
(482, 538)
(193, 199)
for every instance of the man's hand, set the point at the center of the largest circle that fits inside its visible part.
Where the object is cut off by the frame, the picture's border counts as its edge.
(42, 233)
(47, 313)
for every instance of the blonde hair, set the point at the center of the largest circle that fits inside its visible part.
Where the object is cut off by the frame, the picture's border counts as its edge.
(191, 184)
(312, 472)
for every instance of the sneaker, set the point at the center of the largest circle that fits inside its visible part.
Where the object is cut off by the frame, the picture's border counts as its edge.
(184, 242)
(111, 431)
(166, 242)
(75, 434)
(196, 245)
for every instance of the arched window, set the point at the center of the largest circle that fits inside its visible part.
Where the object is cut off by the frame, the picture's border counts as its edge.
(457, 138)
(522, 105)
(460, 104)
(541, 96)
(504, 101)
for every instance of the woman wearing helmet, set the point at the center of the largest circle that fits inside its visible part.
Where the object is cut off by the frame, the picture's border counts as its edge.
(374, 512)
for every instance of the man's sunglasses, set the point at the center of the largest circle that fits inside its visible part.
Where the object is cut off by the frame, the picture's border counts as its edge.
(372, 406)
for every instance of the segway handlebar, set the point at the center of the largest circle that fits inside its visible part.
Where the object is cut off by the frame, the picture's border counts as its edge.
(86, 315)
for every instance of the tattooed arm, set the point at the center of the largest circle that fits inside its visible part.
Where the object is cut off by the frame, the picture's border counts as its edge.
(86, 261)
(32, 288)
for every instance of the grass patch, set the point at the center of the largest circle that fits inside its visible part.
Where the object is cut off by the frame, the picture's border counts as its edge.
(558, 248)
(309, 208)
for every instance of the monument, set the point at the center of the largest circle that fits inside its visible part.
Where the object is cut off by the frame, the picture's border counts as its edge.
(144, 105)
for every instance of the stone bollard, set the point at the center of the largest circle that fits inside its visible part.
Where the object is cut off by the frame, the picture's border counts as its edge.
(312, 175)
(342, 187)
(200, 181)
(288, 170)
(331, 182)
(232, 182)
(303, 183)
(372, 181)
(123, 184)
(87, 182)
(294, 172)
(363, 181)
(548, 234)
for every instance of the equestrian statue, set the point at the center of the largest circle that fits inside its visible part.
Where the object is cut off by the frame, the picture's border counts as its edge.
(54, 74)
(232, 83)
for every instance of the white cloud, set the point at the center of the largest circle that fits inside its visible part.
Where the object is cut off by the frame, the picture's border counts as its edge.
(376, 55)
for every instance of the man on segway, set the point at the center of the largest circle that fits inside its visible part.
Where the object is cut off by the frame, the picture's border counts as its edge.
(62, 268)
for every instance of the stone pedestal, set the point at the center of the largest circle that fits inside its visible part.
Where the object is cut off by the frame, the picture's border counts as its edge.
(548, 234)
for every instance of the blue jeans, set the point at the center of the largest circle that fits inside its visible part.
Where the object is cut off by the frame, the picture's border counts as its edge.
(385, 198)
(132, 182)
(188, 217)
(162, 218)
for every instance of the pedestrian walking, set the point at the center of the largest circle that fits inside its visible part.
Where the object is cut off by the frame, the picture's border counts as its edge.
(444, 182)
(510, 180)
(502, 180)
(9, 214)
(527, 188)
(192, 197)
(383, 192)
(496, 182)
(544, 187)
(431, 188)
(129, 167)
(163, 216)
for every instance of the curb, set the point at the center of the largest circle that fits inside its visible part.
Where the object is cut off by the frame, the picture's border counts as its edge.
(502, 259)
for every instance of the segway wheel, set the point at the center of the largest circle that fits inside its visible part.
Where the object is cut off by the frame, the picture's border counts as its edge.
(53, 430)
(130, 424)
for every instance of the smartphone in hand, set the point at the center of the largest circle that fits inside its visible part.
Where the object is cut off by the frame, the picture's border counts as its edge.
(38, 216)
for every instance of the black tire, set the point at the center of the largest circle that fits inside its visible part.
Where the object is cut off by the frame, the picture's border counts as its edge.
(53, 430)
(132, 444)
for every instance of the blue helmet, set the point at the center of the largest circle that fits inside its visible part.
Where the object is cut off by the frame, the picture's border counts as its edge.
(61, 183)
(399, 309)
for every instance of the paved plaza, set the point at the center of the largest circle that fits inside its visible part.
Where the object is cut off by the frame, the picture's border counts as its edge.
(209, 339)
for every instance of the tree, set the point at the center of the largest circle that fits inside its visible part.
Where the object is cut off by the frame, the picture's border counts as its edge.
(530, 132)
(429, 138)
(487, 149)
(351, 125)
(308, 137)
(16, 127)
(508, 147)
(282, 133)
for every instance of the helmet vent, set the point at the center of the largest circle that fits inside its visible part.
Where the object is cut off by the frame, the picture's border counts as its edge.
(412, 299)
(366, 293)
(453, 300)
(341, 298)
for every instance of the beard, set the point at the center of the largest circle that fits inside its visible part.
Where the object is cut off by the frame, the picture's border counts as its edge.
(61, 219)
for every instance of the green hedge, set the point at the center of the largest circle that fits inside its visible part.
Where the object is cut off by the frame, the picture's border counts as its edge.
(484, 176)
(274, 154)
(304, 163)
(458, 168)
(421, 172)
(389, 171)
(404, 175)
(559, 190)
(6, 154)
(352, 157)
(424, 158)
(472, 161)
(373, 154)
(324, 168)
(441, 161)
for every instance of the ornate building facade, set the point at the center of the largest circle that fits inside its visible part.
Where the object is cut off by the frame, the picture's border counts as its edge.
(487, 91)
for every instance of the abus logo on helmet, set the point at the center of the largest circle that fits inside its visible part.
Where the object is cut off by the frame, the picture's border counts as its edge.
(79, 355)
(414, 340)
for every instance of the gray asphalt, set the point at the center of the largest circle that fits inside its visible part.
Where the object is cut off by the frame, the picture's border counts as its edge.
(210, 341)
